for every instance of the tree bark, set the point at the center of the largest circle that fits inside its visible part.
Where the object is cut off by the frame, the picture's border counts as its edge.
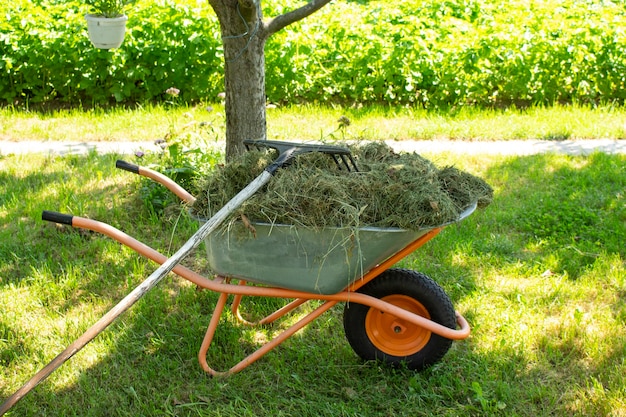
(244, 34)
(244, 72)
(279, 22)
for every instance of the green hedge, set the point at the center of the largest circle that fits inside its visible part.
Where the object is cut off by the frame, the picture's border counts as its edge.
(407, 52)
(45, 51)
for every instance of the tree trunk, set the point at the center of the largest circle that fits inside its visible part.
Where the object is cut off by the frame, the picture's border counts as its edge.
(245, 97)
(243, 36)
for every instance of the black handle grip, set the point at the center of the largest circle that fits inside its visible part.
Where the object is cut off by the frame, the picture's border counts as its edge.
(127, 166)
(53, 216)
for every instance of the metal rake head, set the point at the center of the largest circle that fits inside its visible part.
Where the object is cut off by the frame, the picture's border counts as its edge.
(288, 150)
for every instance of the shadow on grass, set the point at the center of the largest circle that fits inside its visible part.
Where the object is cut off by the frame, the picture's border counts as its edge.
(48, 267)
(571, 208)
(50, 183)
(550, 212)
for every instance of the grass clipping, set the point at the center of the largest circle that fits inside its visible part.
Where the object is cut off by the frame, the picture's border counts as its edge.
(391, 189)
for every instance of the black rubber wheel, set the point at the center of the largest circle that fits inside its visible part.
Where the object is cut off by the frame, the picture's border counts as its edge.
(375, 335)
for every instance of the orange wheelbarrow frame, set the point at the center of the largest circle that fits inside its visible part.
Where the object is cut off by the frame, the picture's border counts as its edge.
(224, 286)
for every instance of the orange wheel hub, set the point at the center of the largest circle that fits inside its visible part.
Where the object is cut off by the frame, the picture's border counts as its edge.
(395, 336)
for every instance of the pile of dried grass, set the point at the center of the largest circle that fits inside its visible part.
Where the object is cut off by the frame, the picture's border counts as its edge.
(391, 190)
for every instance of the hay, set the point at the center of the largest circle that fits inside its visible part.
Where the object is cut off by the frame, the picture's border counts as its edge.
(391, 190)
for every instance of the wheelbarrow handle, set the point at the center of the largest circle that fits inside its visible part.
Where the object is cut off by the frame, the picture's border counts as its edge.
(165, 181)
(127, 166)
(139, 291)
(54, 217)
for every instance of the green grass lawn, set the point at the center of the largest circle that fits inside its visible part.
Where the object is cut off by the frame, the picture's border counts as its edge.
(540, 274)
(311, 122)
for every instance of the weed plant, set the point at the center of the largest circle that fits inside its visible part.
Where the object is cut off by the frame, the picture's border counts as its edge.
(183, 157)
(540, 275)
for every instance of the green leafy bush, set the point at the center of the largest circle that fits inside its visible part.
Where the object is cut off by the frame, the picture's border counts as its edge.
(433, 54)
(451, 53)
(47, 56)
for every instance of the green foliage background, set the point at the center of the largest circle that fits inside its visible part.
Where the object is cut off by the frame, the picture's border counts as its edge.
(430, 53)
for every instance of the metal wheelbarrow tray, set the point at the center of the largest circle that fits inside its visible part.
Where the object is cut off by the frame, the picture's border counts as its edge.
(397, 316)
(323, 261)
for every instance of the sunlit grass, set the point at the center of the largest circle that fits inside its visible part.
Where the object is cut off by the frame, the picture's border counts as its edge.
(313, 122)
(98, 125)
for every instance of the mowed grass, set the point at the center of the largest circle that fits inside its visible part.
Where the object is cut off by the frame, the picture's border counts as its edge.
(315, 122)
(540, 275)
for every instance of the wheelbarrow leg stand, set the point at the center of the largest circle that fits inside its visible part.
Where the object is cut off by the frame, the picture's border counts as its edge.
(284, 310)
(269, 319)
(210, 332)
(260, 352)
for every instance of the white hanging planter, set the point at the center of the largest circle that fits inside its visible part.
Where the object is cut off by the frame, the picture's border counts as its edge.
(106, 32)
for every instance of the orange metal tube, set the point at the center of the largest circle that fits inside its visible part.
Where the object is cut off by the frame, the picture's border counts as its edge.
(210, 332)
(260, 352)
(167, 183)
(234, 308)
(283, 310)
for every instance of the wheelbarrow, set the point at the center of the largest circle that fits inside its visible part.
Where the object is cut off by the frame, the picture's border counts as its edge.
(396, 316)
